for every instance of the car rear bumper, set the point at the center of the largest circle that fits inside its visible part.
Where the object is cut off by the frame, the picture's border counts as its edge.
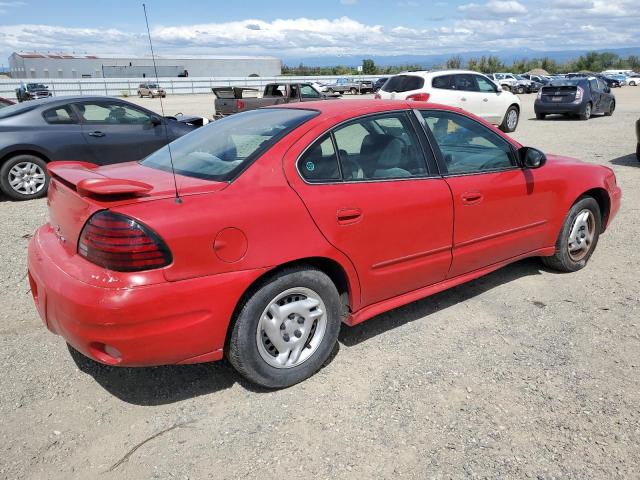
(163, 323)
(550, 107)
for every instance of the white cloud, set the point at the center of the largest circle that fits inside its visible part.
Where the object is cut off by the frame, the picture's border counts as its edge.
(502, 25)
(348, 2)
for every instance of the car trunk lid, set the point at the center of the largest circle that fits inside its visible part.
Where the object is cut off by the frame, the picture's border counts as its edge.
(559, 93)
(77, 190)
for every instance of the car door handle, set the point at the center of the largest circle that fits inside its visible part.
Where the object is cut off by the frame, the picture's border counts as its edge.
(485, 99)
(463, 99)
(96, 134)
(471, 198)
(348, 216)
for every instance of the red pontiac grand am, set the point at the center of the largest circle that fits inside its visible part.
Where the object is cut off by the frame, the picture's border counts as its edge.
(292, 220)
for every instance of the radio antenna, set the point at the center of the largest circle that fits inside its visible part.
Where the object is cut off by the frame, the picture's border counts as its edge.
(164, 119)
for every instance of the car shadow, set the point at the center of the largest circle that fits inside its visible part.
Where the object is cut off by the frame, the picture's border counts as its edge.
(566, 118)
(626, 160)
(151, 386)
(350, 336)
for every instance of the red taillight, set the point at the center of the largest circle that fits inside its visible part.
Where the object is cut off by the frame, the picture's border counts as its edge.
(239, 104)
(377, 96)
(579, 93)
(117, 242)
(419, 97)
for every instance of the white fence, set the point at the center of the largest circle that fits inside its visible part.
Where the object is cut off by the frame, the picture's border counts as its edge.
(173, 86)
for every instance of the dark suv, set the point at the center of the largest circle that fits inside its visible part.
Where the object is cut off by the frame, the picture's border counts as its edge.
(580, 96)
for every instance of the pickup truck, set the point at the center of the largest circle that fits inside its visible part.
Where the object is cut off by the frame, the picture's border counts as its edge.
(344, 85)
(230, 100)
(32, 91)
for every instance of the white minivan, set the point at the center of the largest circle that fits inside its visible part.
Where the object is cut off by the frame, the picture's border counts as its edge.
(468, 90)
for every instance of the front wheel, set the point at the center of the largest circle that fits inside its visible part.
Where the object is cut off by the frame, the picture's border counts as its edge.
(520, 90)
(578, 237)
(286, 329)
(510, 121)
(24, 177)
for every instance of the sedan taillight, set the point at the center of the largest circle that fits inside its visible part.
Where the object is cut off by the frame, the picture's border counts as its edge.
(117, 242)
(419, 97)
(239, 105)
(579, 93)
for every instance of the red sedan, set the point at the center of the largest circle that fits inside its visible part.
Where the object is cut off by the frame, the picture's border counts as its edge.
(289, 221)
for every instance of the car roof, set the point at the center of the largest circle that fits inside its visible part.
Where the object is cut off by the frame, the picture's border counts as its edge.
(431, 73)
(354, 108)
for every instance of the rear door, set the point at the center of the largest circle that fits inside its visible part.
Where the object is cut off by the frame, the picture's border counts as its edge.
(118, 132)
(367, 186)
(596, 96)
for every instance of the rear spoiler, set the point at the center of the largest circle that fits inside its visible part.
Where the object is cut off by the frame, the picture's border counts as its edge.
(81, 177)
(231, 92)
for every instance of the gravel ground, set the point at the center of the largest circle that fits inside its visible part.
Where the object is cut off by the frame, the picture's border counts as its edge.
(521, 374)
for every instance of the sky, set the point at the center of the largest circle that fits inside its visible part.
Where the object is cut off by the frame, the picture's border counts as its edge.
(294, 29)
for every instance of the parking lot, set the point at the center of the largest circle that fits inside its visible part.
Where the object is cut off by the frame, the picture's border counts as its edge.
(524, 373)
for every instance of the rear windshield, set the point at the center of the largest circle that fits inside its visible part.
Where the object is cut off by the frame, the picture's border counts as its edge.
(566, 83)
(223, 149)
(403, 83)
(16, 109)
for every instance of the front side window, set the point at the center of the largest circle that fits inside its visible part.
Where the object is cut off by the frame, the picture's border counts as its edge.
(466, 145)
(320, 162)
(222, 149)
(379, 147)
(113, 113)
(307, 91)
(61, 114)
(485, 85)
(464, 82)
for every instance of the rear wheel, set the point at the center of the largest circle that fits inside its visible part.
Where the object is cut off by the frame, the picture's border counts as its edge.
(586, 115)
(353, 91)
(286, 329)
(612, 107)
(578, 237)
(510, 121)
(638, 152)
(24, 177)
(521, 89)
(540, 116)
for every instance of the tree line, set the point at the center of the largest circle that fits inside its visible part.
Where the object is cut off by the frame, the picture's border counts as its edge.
(590, 61)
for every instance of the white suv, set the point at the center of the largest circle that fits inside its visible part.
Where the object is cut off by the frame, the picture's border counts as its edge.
(468, 90)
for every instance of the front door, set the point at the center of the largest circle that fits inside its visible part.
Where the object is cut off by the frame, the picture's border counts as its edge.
(501, 210)
(117, 132)
(367, 186)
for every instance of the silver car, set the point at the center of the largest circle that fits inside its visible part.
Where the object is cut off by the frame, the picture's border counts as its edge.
(151, 90)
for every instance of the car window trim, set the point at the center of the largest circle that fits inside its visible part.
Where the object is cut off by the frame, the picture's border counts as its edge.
(442, 166)
(431, 173)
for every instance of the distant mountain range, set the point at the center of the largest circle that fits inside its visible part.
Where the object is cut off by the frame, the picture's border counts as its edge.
(426, 61)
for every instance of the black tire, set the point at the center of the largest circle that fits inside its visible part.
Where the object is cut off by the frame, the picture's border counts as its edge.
(541, 116)
(521, 90)
(506, 126)
(638, 152)
(561, 259)
(5, 172)
(243, 352)
(586, 115)
(612, 107)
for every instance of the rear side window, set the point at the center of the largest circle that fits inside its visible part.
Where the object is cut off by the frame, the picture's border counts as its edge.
(61, 114)
(594, 84)
(403, 83)
(320, 162)
(443, 82)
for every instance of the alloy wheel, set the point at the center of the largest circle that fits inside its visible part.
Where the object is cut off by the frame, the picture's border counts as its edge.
(512, 119)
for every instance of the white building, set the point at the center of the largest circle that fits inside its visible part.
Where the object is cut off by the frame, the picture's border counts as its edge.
(61, 65)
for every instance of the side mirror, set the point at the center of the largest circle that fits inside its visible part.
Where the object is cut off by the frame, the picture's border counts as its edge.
(607, 89)
(531, 157)
(155, 121)
(499, 87)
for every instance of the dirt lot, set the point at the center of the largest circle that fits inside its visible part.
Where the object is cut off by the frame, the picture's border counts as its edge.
(521, 374)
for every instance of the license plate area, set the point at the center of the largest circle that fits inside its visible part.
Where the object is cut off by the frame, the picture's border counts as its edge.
(557, 99)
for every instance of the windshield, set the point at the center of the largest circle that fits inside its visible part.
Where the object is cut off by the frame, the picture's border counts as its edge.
(223, 149)
(152, 85)
(567, 82)
(36, 86)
